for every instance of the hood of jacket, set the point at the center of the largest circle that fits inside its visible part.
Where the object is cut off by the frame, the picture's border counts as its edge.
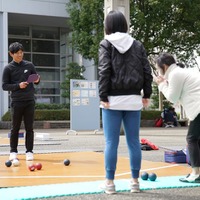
(121, 41)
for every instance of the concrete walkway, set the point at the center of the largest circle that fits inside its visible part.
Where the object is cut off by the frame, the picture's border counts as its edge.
(165, 138)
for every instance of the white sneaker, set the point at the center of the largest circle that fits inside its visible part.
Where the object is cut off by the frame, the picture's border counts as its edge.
(108, 189)
(29, 156)
(191, 179)
(13, 155)
(135, 187)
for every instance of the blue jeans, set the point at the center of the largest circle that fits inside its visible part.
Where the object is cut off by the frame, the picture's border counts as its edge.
(112, 121)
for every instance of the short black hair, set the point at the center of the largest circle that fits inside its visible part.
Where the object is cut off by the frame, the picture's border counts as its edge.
(15, 47)
(115, 22)
(165, 59)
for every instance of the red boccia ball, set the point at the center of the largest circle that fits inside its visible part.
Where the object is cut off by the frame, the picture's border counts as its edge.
(31, 167)
(38, 166)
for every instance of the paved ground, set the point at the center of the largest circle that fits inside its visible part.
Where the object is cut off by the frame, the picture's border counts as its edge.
(171, 138)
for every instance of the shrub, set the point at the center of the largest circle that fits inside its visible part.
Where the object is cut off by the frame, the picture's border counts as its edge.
(45, 106)
(150, 114)
(44, 115)
(6, 116)
(64, 114)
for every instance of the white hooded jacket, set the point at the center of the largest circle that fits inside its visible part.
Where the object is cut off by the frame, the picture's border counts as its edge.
(121, 41)
(182, 85)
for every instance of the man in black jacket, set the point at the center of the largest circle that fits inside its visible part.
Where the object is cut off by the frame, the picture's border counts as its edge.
(14, 80)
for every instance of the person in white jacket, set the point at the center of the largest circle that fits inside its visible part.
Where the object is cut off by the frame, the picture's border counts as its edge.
(183, 85)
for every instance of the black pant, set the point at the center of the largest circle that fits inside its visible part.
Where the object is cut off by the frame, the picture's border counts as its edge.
(193, 140)
(22, 111)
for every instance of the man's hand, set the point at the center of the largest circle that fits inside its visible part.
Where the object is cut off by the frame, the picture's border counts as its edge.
(37, 79)
(23, 85)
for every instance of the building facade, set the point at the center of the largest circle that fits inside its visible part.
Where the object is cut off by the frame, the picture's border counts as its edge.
(41, 26)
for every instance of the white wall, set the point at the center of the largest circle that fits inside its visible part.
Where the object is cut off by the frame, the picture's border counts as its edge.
(3, 59)
(35, 7)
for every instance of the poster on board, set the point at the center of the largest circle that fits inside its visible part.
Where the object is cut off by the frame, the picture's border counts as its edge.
(84, 105)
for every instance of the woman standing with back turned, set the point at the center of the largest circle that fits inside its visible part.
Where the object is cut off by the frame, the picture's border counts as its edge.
(124, 72)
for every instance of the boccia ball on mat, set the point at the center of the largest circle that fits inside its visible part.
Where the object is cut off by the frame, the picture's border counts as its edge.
(15, 162)
(8, 163)
(152, 177)
(38, 166)
(31, 167)
(66, 162)
(144, 176)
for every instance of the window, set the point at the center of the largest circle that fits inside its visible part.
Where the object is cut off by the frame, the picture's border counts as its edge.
(25, 42)
(18, 31)
(50, 88)
(42, 47)
(46, 33)
(46, 60)
(46, 46)
(49, 74)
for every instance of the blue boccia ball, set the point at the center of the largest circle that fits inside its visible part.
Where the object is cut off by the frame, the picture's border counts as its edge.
(144, 176)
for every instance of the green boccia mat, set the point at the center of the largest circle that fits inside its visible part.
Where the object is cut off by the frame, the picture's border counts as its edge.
(69, 189)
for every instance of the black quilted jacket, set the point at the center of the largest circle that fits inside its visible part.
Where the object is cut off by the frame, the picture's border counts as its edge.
(123, 74)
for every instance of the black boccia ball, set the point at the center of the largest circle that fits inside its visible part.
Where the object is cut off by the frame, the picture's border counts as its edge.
(8, 163)
(66, 162)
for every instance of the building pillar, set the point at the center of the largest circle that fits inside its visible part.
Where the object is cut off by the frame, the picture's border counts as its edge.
(120, 5)
(3, 60)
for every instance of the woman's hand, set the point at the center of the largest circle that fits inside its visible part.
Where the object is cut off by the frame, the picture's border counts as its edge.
(145, 102)
(106, 105)
(159, 79)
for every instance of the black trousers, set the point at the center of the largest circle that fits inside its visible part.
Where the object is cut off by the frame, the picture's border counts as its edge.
(193, 140)
(22, 110)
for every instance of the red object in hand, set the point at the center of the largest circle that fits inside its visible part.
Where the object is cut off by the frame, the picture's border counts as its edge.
(145, 141)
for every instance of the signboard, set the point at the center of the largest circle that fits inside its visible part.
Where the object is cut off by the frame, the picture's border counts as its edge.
(84, 105)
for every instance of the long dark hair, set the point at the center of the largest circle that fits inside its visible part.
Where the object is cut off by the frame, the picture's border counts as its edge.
(115, 22)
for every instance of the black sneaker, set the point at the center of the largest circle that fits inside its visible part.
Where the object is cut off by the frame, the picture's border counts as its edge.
(190, 179)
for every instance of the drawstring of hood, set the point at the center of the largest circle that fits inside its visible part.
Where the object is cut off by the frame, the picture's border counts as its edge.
(121, 41)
